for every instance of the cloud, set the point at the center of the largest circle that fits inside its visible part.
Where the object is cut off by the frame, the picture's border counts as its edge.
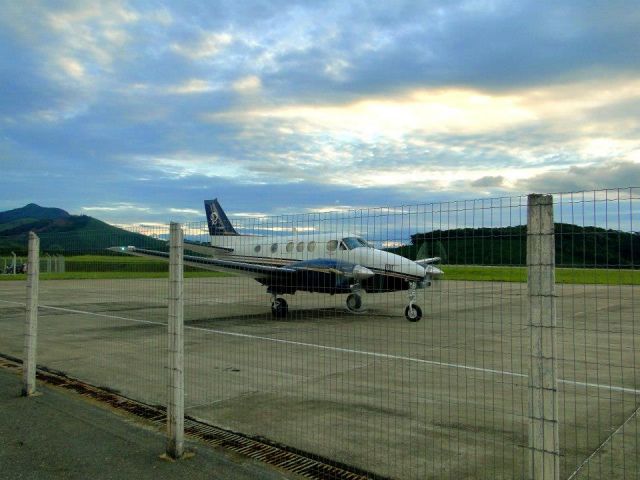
(184, 210)
(285, 107)
(195, 85)
(72, 68)
(614, 174)
(250, 83)
(432, 111)
(450, 111)
(441, 138)
(208, 45)
(116, 208)
(184, 164)
(489, 181)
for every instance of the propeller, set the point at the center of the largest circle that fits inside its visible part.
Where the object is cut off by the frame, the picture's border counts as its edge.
(360, 273)
(430, 270)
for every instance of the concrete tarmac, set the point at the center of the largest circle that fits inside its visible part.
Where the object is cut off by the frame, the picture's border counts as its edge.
(442, 398)
(61, 435)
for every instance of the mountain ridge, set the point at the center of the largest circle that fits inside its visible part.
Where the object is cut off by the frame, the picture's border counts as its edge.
(34, 211)
(61, 232)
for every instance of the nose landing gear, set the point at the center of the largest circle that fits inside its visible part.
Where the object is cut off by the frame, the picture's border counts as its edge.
(412, 312)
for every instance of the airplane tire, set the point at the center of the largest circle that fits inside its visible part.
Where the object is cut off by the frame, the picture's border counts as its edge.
(279, 308)
(354, 302)
(413, 314)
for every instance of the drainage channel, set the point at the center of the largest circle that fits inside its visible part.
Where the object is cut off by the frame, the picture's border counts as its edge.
(286, 458)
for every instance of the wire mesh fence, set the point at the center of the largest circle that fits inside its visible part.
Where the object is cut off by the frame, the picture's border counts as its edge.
(597, 249)
(102, 319)
(303, 329)
(368, 388)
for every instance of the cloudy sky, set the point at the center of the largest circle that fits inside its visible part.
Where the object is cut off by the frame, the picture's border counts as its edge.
(138, 111)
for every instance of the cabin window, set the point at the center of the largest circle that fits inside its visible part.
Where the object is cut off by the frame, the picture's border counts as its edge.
(274, 248)
(300, 247)
(257, 249)
(332, 245)
(353, 242)
(311, 246)
(290, 247)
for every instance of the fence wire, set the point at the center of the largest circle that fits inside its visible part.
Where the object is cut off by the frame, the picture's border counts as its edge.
(435, 398)
(598, 250)
(102, 315)
(442, 397)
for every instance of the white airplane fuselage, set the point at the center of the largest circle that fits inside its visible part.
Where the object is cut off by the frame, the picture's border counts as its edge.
(347, 248)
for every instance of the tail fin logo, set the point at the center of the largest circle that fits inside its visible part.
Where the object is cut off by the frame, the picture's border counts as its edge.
(218, 222)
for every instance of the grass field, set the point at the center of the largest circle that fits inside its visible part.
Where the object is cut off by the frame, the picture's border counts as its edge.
(114, 267)
(589, 276)
(109, 275)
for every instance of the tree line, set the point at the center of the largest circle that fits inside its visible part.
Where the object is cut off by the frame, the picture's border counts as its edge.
(575, 246)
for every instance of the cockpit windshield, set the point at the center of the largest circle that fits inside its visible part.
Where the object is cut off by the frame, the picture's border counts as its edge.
(354, 242)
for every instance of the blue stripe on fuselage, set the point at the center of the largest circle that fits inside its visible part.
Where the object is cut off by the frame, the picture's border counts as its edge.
(322, 263)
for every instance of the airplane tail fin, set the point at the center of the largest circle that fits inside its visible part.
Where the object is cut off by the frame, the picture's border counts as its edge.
(218, 222)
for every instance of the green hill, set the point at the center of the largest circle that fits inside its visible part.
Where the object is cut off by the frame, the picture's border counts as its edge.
(14, 223)
(34, 212)
(62, 233)
(575, 246)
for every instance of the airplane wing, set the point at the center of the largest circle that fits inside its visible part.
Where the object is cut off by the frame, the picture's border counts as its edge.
(207, 263)
(206, 249)
(320, 271)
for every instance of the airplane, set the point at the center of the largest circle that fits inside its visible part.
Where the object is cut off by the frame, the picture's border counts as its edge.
(325, 263)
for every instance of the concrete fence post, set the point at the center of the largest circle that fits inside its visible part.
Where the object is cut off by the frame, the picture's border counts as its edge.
(31, 323)
(13, 262)
(544, 450)
(175, 402)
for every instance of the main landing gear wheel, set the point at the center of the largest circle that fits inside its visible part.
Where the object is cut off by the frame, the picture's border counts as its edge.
(413, 313)
(354, 302)
(279, 308)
